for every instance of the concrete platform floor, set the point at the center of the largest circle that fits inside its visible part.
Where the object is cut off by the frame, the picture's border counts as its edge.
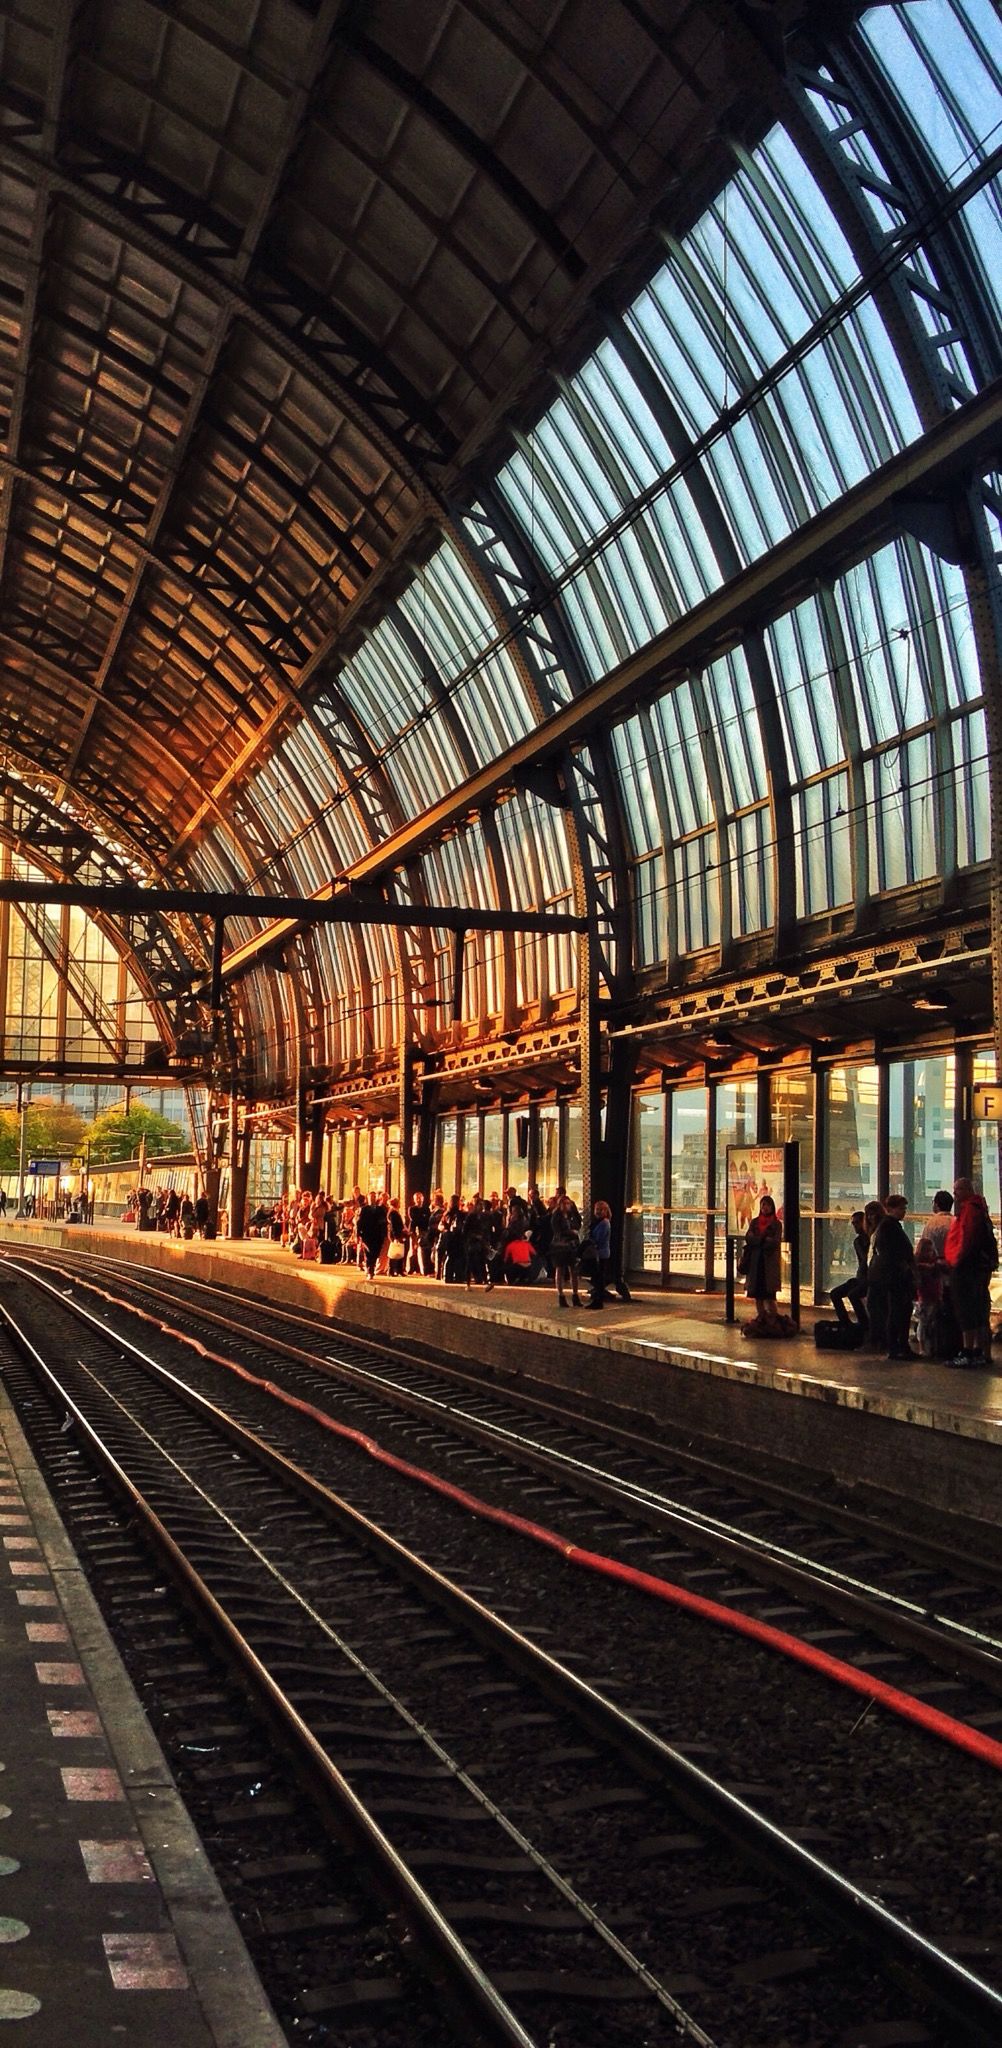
(112, 1925)
(686, 1330)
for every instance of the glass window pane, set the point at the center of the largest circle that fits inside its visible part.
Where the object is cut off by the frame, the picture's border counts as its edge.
(850, 1111)
(446, 1156)
(688, 1148)
(792, 1115)
(737, 1124)
(851, 1126)
(687, 1248)
(573, 1170)
(943, 63)
(921, 1139)
(548, 1151)
(493, 1154)
(645, 1226)
(986, 1142)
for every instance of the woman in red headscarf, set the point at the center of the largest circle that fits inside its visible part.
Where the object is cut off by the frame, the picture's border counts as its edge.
(760, 1264)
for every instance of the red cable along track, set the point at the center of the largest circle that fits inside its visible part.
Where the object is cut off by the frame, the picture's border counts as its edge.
(904, 1704)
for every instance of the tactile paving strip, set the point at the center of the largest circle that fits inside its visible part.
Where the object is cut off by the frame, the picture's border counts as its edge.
(114, 1930)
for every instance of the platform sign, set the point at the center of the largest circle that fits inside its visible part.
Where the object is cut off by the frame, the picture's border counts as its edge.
(752, 1171)
(986, 1102)
(40, 1167)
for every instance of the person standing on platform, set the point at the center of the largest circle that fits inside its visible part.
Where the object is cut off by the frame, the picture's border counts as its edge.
(450, 1254)
(478, 1271)
(891, 1289)
(572, 1207)
(972, 1255)
(936, 1230)
(201, 1214)
(396, 1239)
(418, 1221)
(330, 1239)
(761, 1265)
(370, 1229)
(493, 1228)
(540, 1226)
(596, 1254)
(565, 1249)
(936, 1326)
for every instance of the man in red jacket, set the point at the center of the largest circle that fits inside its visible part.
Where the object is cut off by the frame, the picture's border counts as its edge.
(971, 1255)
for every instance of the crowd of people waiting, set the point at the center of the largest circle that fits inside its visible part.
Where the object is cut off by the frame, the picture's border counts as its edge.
(168, 1209)
(480, 1242)
(928, 1298)
(924, 1299)
(910, 1299)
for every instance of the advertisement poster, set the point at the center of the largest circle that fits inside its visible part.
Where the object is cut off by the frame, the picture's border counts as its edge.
(752, 1171)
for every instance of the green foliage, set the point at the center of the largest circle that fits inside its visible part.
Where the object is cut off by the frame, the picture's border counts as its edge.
(55, 1130)
(115, 1135)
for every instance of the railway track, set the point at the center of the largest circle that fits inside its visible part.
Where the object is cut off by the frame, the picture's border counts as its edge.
(917, 1593)
(618, 1813)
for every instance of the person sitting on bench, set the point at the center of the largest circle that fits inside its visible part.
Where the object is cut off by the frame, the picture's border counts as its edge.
(854, 1290)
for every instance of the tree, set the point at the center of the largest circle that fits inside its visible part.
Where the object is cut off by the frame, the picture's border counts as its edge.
(115, 1134)
(55, 1130)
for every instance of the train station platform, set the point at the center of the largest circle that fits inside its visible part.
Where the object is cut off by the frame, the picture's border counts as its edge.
(916, 1430)
(112, 1924)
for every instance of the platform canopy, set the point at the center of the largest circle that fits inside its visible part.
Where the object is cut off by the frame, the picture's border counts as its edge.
(534, 454)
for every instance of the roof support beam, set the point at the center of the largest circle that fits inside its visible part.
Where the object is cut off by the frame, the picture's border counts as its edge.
(874, 512)
(125, 898)
(341, 375)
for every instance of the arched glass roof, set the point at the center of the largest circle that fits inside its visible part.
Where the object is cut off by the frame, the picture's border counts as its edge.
(526, 465)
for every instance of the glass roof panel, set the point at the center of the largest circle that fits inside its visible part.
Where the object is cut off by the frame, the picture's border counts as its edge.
(942, 59)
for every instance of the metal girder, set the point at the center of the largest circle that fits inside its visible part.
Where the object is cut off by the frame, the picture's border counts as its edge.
(126, 898)
(824, 545)
(132, 1074)
(939, 955)
(831, 541)
(342, 368)
(548, 661)
(61, 848)
(62, 44)
(231, 624)
(468, 145)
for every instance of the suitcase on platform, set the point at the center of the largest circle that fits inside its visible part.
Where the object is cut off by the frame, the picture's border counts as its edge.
(838, 1336)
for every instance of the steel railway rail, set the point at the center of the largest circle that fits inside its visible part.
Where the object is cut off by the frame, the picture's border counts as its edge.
(229, 1556)
(922, 1597)
(974, 2008)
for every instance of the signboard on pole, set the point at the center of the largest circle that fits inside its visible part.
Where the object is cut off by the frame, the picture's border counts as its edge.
(39, 1167)
(986, 1102)
(752, 1171)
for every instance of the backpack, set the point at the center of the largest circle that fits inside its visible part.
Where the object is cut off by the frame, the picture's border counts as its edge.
(990, 1247)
